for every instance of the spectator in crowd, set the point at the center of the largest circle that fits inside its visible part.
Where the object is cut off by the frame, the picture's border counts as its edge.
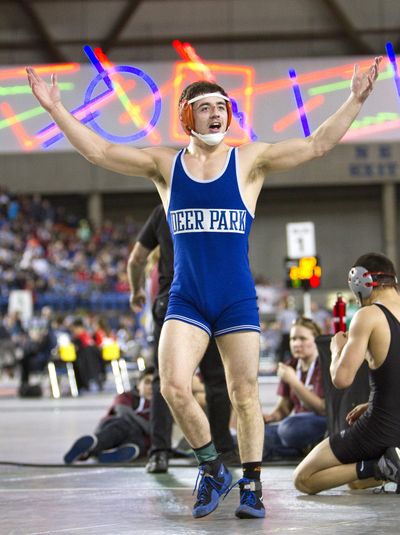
(322, 317)
(37, 344)
(298, 420)
(88, 366)
(286, 315)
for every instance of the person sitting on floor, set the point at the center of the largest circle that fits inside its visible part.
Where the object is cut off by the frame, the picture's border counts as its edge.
(124, 434)
(298, 420)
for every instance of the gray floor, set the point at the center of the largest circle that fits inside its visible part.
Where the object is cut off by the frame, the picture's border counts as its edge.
(106, 500)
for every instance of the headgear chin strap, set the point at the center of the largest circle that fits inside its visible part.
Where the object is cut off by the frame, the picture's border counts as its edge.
(362, 282)
(186, 111)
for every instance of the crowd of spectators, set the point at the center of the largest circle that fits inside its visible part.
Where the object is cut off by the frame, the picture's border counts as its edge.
(62, 260)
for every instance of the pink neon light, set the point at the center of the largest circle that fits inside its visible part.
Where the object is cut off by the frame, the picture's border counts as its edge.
(293, 116)
(371, 129)
(109, 97)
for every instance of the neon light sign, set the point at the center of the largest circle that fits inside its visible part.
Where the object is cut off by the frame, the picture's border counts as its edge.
(267, 96)
(392, 59)
(299, 103)
(89, 101)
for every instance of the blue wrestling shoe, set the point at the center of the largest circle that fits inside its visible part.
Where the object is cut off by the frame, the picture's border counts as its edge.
(251, 501)
(122, 454)
(80, 449)
(210, 489)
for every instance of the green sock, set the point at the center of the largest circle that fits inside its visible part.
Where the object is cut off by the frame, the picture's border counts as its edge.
(206, 453)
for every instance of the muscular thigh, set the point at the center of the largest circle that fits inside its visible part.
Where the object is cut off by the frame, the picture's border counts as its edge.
(180, 350)
(320, 458)
(240, 352)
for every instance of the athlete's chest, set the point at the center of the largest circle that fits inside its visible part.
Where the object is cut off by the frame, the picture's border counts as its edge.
(205, 169)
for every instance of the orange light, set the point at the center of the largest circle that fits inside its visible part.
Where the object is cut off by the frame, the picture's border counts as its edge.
(20, 72)
(343, 71)
(25, 141)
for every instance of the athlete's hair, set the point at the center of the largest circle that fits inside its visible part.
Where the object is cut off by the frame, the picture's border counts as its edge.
(376, 263)
(201, 87)
(308, 323)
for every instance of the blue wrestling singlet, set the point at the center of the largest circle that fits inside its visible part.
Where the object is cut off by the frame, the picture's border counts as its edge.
(213, 287)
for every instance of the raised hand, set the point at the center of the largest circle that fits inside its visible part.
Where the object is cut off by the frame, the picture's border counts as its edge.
(363, 83)
(47, 95)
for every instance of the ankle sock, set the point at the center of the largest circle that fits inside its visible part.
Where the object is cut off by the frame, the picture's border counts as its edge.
(206, 453)
(252, 470)
(367, 469)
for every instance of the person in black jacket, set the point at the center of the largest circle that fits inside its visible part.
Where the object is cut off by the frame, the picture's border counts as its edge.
(155, 233)
(124, 433)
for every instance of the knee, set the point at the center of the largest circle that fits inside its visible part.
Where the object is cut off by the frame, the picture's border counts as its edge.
(244, 397)
(175, 393)
(302, 481)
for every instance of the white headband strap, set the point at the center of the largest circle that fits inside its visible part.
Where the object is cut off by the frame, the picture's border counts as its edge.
(199, 97)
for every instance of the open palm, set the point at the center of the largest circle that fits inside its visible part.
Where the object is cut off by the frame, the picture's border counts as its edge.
(363, 83)
(47, 95)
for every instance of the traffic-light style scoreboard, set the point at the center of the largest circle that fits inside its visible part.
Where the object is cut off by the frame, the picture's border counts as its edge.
(304, 273)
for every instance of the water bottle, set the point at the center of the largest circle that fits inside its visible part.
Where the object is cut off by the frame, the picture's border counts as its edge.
(339, 314)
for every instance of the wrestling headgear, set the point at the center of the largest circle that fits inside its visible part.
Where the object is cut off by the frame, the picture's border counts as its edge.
(186, 114)
(362, 282)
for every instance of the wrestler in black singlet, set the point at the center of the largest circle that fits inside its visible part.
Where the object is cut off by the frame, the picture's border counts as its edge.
(379, 427)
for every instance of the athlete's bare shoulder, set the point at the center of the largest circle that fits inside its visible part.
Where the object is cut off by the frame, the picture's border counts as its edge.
(161, 153)
(367, 314)
(252, 149)
(252, 160)
(163, 157)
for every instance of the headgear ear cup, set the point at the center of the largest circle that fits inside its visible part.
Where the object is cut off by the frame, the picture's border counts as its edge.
(186, 115)
(361, 282)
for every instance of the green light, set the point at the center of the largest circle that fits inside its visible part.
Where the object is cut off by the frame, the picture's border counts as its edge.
(381, 117)
(5, 123)
(25, 89)
(330, 88)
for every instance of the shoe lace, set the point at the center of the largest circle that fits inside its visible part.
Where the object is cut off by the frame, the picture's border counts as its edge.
(247, 496)
(206, 483)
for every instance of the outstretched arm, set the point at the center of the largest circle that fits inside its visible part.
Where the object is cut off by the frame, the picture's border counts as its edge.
(121, 159)
(290, 153)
